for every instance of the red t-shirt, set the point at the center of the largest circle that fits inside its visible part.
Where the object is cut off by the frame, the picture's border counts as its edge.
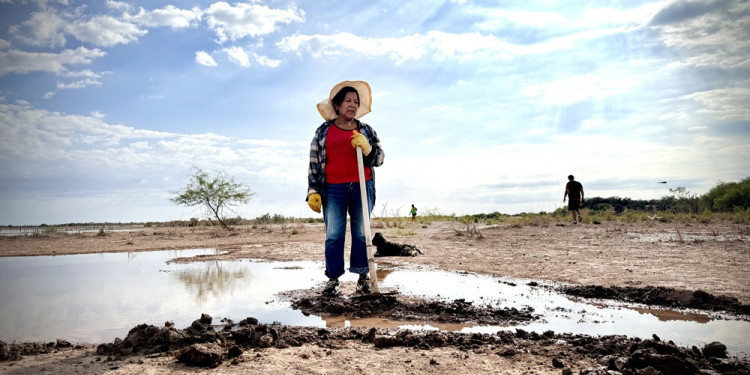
(341, 164)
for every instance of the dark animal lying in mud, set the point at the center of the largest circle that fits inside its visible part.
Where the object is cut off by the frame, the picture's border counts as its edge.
(387, 248)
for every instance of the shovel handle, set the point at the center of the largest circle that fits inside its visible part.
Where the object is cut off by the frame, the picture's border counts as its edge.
(366, 222)
(363, 197)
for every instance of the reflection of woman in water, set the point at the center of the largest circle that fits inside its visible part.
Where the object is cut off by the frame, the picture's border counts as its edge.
(333, 178)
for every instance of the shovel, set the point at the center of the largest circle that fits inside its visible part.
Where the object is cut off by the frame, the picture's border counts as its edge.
(366, 223)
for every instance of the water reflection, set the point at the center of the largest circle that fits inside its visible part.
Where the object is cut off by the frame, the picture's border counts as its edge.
(667, 315)
(213, 279)
(341, 321)
(96, 297)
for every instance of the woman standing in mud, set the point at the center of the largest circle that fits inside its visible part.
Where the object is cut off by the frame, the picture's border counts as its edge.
(333, 179)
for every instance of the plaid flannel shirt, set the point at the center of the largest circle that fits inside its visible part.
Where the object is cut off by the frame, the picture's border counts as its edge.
(316, 172)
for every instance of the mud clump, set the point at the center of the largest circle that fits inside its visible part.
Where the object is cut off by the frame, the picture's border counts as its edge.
(203, 355)
(13, 351)
(661, 296)
(633, 356)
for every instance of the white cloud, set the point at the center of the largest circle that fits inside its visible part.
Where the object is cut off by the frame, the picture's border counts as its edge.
(203, 58)
(90, 79)
(39, 134)
(83, 73)
(726, 103)
(551, 22)
(20, 62)
(41, 29)
(625, 19)
(105, 31)
(78, 84)
(713, 36)
(266, 61)
(498, 18)
(170, 16)
(238, 56)
(119, 5)
(574, 89)
(437, 44)
(243, 20)
(35, 137)
(49, 28)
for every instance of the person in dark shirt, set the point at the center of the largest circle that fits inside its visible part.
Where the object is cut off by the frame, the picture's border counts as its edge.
(574, 190)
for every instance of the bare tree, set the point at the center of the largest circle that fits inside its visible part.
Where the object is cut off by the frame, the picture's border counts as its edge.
(215, 193)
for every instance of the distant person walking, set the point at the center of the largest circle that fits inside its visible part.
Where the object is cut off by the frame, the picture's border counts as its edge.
(574, 190)
(413, 213)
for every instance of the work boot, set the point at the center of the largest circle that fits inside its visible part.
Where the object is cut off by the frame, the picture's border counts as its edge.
(363, 284)
(332, 288)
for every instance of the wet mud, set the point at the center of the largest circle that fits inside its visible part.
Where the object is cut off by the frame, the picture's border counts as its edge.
(396, 308)
(661, 297)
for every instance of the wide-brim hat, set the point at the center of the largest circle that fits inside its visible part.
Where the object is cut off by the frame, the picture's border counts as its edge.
(365, 100)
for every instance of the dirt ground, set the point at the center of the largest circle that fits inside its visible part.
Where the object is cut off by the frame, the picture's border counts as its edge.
(708, 257)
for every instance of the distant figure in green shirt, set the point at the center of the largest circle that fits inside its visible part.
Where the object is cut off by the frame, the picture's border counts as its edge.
(413, 213)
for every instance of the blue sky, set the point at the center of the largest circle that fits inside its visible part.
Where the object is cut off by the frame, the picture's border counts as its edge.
(105, 106)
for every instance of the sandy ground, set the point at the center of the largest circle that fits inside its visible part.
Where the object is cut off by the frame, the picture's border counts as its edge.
(713, 257)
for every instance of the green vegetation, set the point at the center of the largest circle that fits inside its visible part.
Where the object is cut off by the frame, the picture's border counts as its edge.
(215, 193)
(728, 197)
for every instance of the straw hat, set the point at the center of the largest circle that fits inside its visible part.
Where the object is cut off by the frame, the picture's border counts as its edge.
(365, 100)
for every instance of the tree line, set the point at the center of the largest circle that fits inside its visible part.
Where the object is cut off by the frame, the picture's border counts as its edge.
(724, 197)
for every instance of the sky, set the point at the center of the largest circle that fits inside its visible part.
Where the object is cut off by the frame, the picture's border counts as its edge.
(107, 107)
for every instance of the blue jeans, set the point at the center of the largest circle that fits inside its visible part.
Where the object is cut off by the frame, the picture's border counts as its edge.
(340, 199)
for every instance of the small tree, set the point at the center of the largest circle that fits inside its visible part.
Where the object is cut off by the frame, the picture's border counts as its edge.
(684, 201)
(215, 192)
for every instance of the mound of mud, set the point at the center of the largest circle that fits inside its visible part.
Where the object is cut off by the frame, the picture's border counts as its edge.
(390, 307)
(12, 352)
(660, 296)
(205, 345)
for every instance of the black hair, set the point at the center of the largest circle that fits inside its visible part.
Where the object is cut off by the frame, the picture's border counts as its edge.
(570, 177)
(339, 97)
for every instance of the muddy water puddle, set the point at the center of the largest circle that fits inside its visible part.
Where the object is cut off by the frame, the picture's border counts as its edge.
(94, 298)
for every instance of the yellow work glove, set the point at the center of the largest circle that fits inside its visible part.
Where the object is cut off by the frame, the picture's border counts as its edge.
(313, 200)
(359, 140)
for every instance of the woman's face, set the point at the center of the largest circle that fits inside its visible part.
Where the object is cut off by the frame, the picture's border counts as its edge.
(348, 108)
